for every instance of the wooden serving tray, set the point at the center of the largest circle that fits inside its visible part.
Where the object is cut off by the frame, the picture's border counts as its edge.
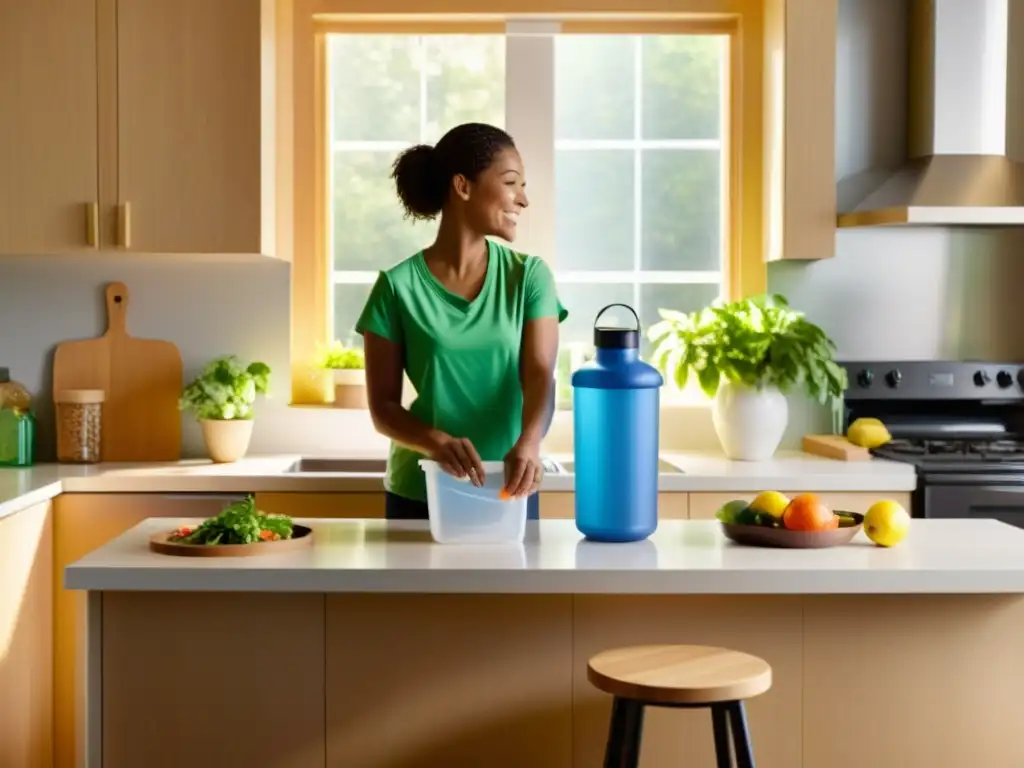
(758, 536)
(302, 537)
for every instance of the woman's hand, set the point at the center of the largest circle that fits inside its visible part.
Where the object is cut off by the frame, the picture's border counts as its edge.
(523, 470)
(458, 457)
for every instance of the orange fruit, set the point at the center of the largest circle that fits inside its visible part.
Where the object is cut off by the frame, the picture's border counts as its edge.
(806, 512)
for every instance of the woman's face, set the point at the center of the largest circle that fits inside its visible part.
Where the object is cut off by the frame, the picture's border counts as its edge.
(494, 200)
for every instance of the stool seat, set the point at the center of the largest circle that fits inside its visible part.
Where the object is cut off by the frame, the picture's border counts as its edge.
(687, 675)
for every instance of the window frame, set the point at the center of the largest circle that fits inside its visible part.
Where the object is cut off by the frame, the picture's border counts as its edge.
(744, 270)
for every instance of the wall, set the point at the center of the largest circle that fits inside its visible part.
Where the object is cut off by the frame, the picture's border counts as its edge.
(904, 293)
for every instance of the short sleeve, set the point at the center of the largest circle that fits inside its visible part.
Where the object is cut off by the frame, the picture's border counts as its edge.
(380, 313)
(541, 292)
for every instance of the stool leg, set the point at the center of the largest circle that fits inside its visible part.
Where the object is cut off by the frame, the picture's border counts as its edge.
(740, 734)
(723, 752)
(623, 748)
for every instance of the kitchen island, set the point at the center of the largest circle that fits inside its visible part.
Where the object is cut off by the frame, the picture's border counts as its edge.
(377, 648)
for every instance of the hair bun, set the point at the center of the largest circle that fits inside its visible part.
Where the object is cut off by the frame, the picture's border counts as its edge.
(419, 182)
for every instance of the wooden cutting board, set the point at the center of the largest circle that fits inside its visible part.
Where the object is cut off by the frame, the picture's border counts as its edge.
(834, 447)
(142, 379)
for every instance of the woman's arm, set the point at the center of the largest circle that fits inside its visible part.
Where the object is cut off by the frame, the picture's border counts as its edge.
(384, 371)
(523, 471)
(537, 374)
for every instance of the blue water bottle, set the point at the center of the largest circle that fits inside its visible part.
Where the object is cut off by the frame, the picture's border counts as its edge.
(616, 399)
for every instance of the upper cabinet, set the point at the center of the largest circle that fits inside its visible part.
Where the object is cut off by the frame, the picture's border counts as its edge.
(799, 128)
(139, 125)
(48, 136)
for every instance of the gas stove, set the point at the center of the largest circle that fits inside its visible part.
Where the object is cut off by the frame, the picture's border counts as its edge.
(959, 423)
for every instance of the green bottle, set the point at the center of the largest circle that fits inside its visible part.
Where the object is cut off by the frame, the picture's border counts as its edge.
(17, 424)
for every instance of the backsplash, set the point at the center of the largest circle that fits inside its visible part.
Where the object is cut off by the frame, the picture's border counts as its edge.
(907, 293)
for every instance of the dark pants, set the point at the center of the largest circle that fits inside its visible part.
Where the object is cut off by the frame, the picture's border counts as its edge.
(401, 508)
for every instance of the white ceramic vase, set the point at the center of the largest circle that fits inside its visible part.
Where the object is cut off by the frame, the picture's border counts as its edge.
(350, 388)
(749, 422)
(227, 439)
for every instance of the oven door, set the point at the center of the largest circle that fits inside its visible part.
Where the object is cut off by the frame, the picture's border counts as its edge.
(996, 496)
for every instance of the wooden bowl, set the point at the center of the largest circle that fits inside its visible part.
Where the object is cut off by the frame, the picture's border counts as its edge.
(302, 537)
(759, 536)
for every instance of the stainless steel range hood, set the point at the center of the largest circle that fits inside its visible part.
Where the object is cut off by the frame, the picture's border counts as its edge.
(966, 123)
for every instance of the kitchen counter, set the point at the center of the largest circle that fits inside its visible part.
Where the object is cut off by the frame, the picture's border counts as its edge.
(471, 655)
(683, 472)
(683, 557)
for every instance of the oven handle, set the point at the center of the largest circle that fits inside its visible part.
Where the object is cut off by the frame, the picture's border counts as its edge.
(1011, 483)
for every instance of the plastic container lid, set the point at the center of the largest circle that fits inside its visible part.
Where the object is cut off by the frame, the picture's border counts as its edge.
(80, 396)
(461, 513)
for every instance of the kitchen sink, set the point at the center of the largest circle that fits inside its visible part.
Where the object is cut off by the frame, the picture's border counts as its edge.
(664, 468)
(330, 465)
(334, 465)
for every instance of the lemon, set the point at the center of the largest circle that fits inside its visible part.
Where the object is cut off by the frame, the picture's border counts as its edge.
(868, 433)
(770, 502)
(886, 523)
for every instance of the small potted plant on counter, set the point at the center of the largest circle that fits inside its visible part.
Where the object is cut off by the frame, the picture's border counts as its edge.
(349, 368)
(746, 355)
(221, 398)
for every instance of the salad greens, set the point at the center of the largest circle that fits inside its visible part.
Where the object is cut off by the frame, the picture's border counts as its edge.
(239, 523)
(226, 389)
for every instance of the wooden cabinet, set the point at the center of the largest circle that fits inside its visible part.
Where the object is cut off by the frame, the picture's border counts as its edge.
(140, 125)
(799, 129)
(83, 522)
(48, 135)
(26, 637)
(553, 505)
(704, 505)
(322, 504)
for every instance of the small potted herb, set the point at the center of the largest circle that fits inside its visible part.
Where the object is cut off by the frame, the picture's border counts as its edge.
(349, 368)
(221, 398)
(746, 355)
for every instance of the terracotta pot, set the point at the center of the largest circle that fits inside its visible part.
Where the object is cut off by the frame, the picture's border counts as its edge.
(350, 388)
(227, 440)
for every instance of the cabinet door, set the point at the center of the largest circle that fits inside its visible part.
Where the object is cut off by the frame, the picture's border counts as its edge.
(557, 504)
(340, 505)
(83, 522)
(26, 638)
(188, 93)
(48, 107)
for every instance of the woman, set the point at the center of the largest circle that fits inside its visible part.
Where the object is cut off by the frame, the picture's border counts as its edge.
(472, 323)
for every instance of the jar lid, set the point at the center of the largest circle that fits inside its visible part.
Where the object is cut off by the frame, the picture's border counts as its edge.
(79, 396)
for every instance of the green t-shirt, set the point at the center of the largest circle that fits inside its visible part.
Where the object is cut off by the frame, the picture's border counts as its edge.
(461, 356)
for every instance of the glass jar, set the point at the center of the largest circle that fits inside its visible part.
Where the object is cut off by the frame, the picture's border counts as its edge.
(17, 423)
(79, 425)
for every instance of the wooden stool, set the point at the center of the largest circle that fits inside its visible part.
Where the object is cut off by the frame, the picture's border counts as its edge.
(681, 676)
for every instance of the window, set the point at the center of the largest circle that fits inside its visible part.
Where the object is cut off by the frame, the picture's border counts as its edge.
(637, 127)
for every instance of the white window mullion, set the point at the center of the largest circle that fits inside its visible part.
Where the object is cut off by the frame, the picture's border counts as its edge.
(638, 173)
(530, 119)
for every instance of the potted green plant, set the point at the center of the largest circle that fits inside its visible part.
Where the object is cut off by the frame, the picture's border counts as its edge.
(221, 398)
(746, 355)
(348, 365)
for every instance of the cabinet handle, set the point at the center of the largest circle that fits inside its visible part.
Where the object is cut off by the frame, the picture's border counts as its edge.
(92, 224)
(124, 225)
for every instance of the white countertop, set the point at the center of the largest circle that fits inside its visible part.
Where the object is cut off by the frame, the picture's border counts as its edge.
(682, 557)
(700, 472)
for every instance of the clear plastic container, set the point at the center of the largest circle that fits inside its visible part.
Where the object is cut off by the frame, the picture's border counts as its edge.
(461, 513)
(79, 425)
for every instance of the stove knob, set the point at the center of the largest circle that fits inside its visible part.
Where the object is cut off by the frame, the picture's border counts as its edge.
(981, 378)
(865, 377)
(1004, 379)
(893, 378)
